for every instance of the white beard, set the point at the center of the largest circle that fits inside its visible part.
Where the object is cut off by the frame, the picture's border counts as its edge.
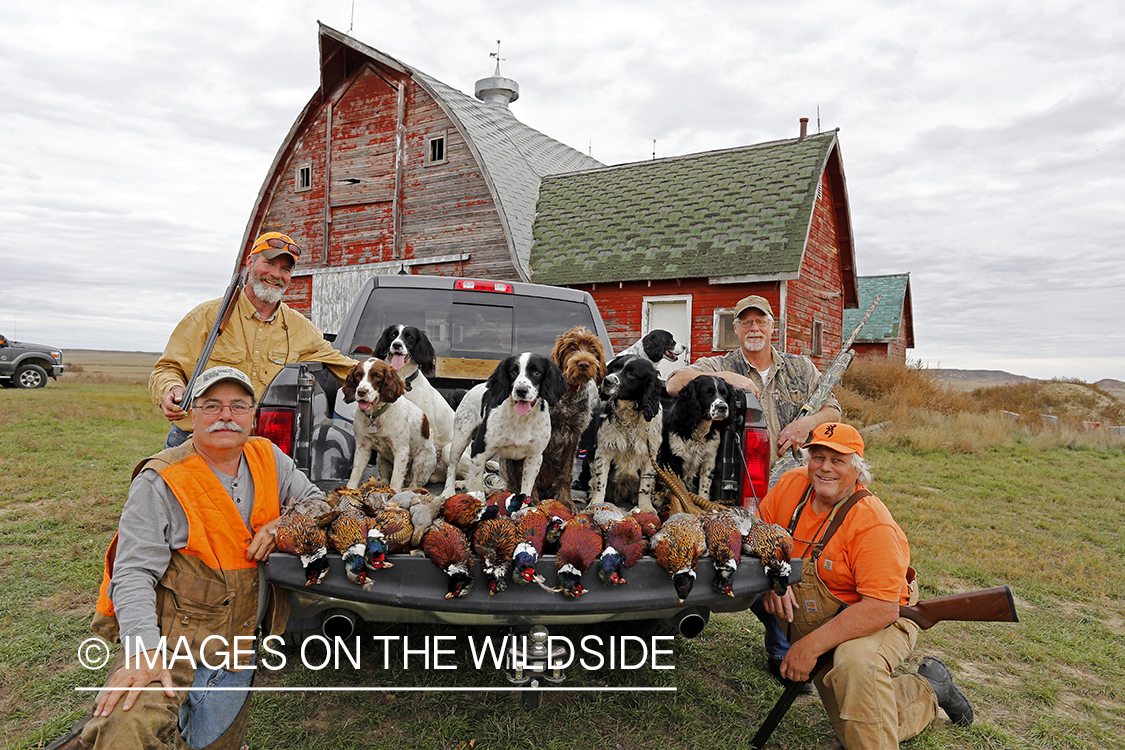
(755, 345)
(267, 293)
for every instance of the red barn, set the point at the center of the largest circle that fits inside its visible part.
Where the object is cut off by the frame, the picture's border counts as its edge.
(389, 170)
(889, 332)
(674, 243)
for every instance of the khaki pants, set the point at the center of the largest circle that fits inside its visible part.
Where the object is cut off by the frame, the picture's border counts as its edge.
(869, 708)
(154, 719)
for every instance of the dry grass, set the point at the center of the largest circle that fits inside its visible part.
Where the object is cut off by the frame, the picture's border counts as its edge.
(907, 407)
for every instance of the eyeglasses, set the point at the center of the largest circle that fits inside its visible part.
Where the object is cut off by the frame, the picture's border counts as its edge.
(212, 408)
(762, 323)
(278, 244)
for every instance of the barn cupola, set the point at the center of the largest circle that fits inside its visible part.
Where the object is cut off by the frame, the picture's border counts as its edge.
(497, 91)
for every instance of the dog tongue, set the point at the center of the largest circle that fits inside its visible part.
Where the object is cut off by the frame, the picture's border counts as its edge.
(363, 404)
(522, 407)
(398, 360)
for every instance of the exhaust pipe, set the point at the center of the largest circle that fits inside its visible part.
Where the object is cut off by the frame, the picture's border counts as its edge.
(689, 623)
(338, 623)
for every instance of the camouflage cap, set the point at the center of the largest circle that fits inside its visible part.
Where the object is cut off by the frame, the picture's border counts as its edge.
(758, 303)
(217, 375)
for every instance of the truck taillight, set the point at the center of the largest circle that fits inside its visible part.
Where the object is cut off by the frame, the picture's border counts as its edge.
(756, 445)
(277, 426)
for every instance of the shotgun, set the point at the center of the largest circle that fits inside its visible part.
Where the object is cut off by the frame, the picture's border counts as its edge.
(237, 281)
(831, 378)
(986, 605)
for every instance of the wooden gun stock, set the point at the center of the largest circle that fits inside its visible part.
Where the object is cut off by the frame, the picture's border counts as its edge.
(987, 605)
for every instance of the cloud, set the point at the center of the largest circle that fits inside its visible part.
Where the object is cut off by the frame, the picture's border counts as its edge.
(982, 143)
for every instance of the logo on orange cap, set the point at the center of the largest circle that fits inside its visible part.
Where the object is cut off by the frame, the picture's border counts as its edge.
(840, 437)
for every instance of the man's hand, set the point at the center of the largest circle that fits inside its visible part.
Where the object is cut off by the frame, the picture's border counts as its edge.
(800, 661)
(133, 677)
(780, 606)
(263, 542)
(168, 405)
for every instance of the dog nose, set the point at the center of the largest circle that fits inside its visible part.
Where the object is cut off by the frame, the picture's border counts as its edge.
(520, 391)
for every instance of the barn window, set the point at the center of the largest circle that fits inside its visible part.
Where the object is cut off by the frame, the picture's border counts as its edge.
(303, 178)
(817, 338)
(435, 148)
(724, 338)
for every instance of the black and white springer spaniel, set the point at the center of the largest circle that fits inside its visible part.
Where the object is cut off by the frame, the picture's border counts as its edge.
(509, 416)
(692, 431)
(656, 346)
(408, 350)
(629, 435)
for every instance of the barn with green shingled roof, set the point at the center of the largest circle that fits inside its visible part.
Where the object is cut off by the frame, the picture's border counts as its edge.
(889, 332)
(673, 243)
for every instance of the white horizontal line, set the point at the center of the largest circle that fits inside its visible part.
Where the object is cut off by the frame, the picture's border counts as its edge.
(512, 689)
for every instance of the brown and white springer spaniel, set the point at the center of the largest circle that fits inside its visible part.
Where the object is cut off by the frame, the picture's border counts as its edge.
(389, 426)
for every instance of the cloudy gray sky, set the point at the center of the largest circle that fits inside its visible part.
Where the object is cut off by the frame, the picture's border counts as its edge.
(983, 143)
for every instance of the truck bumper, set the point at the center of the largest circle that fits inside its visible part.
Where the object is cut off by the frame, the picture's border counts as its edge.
(413, 591)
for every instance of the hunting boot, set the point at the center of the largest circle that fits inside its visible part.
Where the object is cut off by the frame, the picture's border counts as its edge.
(949, 697)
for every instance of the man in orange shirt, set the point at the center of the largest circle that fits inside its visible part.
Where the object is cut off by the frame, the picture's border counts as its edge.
(856, 575)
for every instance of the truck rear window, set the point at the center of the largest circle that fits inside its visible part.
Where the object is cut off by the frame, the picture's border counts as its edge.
(471, 324)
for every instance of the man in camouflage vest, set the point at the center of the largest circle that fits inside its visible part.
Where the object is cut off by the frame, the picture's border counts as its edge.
(782, 382)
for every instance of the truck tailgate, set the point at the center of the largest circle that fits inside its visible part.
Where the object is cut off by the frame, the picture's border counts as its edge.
(414, 591)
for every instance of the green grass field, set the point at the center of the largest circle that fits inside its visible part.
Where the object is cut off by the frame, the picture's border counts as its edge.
(1044, 517)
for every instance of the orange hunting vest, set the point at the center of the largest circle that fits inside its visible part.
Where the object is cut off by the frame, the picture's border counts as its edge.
(217, 536)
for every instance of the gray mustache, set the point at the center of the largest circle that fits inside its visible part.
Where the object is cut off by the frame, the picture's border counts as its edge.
(234, 426)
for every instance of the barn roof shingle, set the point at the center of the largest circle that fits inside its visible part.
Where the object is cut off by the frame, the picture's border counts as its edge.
(885, 323)
(734, 212)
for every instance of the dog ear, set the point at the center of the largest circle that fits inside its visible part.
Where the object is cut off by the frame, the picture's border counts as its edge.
(687, 402)
(383, 345)
(350, 383)
(498, 387)
(650, 401)
(424, 355)
(392, 387)
(554, 384)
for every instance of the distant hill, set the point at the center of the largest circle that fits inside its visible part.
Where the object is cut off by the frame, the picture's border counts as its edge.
(968, 380)
(971, 379)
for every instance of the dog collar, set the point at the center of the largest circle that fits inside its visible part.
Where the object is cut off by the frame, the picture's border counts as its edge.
(380, 410)
(410, 377)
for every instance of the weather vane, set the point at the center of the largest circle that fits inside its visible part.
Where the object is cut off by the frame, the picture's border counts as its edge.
(496, 54)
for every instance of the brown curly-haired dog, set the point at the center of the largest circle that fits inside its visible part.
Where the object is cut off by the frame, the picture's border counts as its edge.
(581, 357)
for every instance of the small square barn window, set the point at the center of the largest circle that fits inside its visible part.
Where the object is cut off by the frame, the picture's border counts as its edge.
(724, 338)
(303, 178)
(435, 148)
(817, 338)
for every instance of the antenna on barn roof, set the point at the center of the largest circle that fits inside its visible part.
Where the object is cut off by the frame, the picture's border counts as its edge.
(351, 24)
(818, 119)
(654, 149)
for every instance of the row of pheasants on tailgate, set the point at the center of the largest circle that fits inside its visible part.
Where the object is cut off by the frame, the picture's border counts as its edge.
(510, 534)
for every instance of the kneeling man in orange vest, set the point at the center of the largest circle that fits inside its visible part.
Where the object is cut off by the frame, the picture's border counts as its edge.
(185, 567)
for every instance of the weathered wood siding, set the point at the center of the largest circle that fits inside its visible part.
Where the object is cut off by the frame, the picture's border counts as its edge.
(817, 294)
(444, 208)
(621, 303)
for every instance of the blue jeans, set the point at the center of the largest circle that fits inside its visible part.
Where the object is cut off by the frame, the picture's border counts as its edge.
(176, 436)
(777, 645)
(205, 716)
